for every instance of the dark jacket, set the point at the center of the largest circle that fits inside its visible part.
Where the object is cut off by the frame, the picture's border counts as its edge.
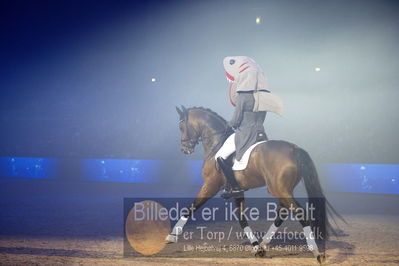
(248, 124)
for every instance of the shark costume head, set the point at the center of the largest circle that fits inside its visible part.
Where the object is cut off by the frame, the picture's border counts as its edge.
(244, 74)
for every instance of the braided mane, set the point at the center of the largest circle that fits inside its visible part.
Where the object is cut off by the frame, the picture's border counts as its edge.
(223, 137)
(209, 111)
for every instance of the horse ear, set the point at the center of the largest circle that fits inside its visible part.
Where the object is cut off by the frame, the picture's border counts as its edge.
(185, 112)
(180, 112)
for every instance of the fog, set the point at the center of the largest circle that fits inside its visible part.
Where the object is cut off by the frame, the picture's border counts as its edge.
(78, 83)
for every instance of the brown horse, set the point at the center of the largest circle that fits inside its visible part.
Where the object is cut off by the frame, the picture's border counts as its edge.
(277, 164)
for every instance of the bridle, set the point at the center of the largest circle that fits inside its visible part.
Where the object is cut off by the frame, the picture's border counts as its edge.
(192, 142)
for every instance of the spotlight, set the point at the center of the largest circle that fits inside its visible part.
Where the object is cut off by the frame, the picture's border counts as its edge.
(317, 69)
(257, 20)
(153, 80)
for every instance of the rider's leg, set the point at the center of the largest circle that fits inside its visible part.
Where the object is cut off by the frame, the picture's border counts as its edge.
(229, 174)
(221, 156)
(227, 149)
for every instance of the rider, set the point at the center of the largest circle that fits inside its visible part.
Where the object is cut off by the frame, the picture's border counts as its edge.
(247, 80)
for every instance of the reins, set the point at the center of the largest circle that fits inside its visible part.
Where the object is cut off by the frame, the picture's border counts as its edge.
(200, 138)
(194, 138)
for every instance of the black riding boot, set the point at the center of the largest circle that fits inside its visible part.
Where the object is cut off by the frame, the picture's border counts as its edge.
(235, 190)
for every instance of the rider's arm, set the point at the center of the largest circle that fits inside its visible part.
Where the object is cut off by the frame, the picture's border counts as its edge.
(238, 112)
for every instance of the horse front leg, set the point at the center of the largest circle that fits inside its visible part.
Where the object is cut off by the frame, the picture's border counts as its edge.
(207, 191)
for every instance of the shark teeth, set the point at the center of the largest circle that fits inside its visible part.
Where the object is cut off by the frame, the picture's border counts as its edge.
(229, 80)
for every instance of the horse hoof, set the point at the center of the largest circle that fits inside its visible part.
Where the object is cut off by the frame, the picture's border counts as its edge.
(258, 252)
(171, 239)
(321, 258)
(264, 246)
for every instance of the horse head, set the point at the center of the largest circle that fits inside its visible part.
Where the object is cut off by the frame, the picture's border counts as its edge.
(190, 134)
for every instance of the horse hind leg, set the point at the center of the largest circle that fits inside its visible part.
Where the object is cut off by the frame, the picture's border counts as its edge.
(278, 221)
(256, 249)
(291, 204)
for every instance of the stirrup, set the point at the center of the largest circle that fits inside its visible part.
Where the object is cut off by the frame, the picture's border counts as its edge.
(236, 193)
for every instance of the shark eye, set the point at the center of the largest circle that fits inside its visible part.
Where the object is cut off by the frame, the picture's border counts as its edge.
(232, 61)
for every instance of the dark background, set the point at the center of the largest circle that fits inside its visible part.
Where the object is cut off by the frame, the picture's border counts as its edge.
(75, 76)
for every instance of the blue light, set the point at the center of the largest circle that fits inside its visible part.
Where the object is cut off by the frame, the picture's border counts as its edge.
(121, 170)
(28, 167)
(357, 178)
(370, 178)
(195, 170)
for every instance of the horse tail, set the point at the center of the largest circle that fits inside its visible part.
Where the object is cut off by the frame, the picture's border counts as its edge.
(307, 170)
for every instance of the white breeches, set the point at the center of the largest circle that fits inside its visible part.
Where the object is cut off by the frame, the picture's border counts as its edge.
(228, 148)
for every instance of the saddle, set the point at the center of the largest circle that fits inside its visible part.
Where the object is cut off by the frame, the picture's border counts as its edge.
(231, 164)
(239, 165)
(242, 164)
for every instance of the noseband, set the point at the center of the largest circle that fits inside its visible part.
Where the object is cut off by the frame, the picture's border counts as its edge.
(190, 142)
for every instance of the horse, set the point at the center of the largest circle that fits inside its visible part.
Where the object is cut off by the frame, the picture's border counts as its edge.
(276, 164)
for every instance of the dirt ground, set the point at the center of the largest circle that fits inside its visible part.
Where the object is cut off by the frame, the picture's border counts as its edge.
(368, 240)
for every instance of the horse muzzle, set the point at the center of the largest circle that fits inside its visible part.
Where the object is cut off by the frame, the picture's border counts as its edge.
(187, 149)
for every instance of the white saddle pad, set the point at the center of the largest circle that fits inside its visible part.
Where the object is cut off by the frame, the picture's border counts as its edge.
(242, 164)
